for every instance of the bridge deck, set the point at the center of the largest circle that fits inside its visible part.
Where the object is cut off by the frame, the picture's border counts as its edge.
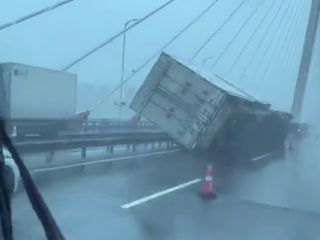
(278, 199)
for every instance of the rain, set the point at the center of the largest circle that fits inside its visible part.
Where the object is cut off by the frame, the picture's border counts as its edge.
(159, 119)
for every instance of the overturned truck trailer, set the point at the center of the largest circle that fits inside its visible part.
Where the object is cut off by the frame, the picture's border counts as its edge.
(203, 111)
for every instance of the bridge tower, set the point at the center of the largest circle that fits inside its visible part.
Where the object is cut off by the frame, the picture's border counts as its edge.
(306, 59)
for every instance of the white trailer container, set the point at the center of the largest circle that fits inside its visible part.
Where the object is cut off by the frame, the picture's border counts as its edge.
(28, 92)
(188, 104)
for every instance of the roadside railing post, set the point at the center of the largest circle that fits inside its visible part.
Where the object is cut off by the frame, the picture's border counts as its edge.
(83, 152)
(133, 148)
(111, 149)
(50, 156)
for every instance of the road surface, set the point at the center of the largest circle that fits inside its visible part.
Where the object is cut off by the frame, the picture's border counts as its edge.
(157, 197)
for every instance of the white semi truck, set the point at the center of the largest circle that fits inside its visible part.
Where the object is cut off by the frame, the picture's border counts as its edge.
(35, 99)
(29, 92)
(203, 111)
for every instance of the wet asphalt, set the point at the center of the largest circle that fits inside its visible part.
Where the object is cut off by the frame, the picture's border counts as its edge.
(275, 198)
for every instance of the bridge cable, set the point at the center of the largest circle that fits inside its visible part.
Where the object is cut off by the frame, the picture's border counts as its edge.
(290, 29)
(111, 39)
(292, 38)
(208, 40)
(221, 55)
(266, 50)
(246, 46)
(32, 15)
(167, 44)
(302, 29)
(262, 41)
(296, 47)
(276, 47)
(296, 56)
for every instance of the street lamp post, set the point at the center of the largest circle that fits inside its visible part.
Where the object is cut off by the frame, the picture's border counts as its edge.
(122, 102)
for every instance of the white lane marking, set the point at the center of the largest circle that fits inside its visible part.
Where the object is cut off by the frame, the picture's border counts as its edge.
(159, 194)
(261, 157)
(102, 161)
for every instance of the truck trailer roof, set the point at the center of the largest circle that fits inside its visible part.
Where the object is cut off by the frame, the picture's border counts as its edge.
(215, 79)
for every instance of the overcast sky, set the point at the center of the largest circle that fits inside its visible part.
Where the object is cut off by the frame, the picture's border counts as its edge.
(55, 39)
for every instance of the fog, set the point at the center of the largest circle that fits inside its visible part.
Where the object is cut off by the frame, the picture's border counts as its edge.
(55, 39)
(87, 178)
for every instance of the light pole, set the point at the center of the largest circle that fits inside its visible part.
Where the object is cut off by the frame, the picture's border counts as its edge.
(122, 102)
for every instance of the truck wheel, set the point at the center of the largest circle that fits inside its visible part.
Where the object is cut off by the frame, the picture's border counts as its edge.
(9, 176)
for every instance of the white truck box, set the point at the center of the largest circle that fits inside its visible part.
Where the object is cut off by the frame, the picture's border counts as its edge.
(28, 92)
(188, 104)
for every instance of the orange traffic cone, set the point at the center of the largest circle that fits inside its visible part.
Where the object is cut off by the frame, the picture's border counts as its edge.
(208, 185)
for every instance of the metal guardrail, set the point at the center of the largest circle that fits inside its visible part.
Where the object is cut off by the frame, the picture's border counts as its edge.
(70, 136)
(109, 125)
(54, 127)
(95, 140)
(91, 133)
(115, 123)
